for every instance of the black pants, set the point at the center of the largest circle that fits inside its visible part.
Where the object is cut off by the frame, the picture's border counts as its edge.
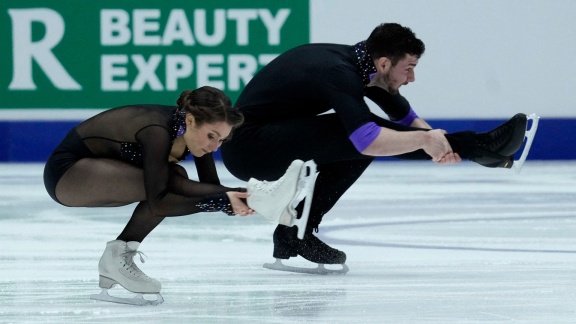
(265, 152)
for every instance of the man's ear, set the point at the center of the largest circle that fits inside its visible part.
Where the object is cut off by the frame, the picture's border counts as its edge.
(383, 65)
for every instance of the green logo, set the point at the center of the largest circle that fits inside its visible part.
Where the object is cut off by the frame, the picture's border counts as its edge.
(102, 54)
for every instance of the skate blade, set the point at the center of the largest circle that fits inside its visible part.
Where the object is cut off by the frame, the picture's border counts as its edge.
(137, 300)
(320, 269)
(530, 133)
(306, 184)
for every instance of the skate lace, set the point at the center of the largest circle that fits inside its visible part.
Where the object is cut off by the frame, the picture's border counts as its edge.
(497, 137)
(131, 266)
(268, 187)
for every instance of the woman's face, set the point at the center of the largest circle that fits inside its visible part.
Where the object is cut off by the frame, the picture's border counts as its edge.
(206, 138)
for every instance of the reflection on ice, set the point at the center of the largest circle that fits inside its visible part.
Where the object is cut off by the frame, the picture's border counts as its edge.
(425, 244)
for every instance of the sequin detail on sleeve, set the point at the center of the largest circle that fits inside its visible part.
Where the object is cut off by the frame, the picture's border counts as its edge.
(364, 62)
(216, 203)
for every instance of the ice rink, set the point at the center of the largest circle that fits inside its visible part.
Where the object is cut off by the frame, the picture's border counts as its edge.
(425, 244)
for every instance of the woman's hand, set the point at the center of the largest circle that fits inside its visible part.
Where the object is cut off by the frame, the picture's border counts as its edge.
(238, 206)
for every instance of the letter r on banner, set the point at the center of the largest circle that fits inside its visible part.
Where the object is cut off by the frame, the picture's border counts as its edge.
(25, 50)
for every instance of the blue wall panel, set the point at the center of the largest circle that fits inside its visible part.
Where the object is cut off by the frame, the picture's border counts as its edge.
(32, 141)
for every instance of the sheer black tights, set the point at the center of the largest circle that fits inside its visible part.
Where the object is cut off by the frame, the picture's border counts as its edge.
(111, 183)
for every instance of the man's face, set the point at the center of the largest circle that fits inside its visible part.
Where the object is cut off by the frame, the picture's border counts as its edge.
(393, 77)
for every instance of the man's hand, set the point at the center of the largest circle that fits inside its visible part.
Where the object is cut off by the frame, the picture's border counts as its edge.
(436, 145)
(450, 158)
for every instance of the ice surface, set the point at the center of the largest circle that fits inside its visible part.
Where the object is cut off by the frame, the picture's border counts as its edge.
(425, 244)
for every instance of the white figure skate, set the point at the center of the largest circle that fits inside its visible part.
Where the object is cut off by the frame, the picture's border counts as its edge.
(277, 200)
(529, 136)
(117, 267)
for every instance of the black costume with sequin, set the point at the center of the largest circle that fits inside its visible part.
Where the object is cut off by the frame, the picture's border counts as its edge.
(142, 136)
(304, 105)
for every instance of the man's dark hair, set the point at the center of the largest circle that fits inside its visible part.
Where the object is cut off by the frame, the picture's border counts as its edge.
(393, 41)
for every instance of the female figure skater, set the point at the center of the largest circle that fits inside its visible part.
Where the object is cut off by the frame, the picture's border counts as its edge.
(129, 154)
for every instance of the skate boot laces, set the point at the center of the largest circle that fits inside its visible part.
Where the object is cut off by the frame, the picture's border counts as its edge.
(131, 267)
(505, 139)
(268, 187)
(496, 138)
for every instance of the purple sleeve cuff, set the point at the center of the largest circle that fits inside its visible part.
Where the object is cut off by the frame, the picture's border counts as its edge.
(364, 136)
(407, 121)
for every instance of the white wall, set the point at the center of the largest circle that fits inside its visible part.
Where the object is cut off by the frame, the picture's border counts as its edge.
(484, 58)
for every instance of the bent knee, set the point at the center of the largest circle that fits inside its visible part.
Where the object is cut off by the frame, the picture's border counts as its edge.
(178, 169)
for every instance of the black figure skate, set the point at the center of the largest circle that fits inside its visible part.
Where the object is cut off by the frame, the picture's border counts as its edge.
(310, 248)
(496, 148)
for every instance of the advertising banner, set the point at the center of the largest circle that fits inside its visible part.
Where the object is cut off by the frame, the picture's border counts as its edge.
(103, 54)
